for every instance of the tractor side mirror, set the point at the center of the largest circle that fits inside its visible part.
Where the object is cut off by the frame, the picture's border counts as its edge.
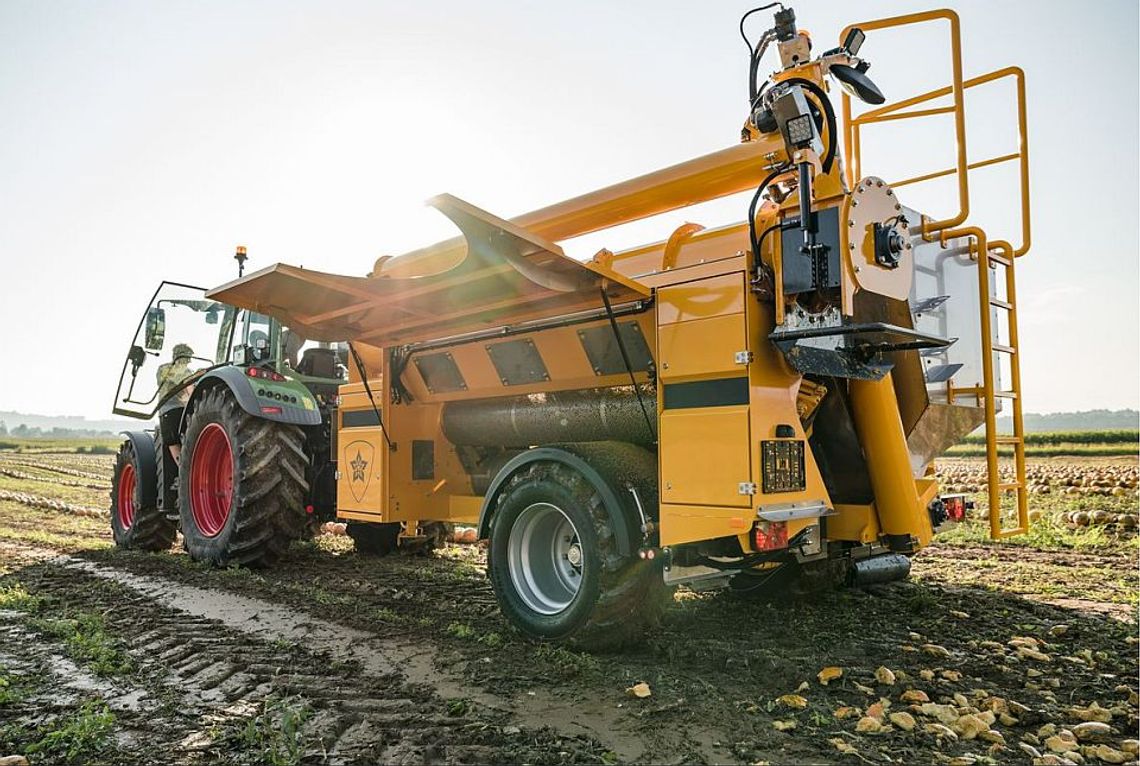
(136, 357)
(155, 329)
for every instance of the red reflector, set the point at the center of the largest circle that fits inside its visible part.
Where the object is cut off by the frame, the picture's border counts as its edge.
(251, 372)
(309, 509)
(769, 535)
(955, 506)
(271, 410)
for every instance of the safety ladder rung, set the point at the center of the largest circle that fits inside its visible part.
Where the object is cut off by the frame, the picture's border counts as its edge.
(1010, 485)
(1001, 304)
(1001, 349)
(979, 391)
(995, 258)
(1007, 440)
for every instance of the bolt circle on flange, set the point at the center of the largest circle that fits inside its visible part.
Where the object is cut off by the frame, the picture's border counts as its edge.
(211, 480)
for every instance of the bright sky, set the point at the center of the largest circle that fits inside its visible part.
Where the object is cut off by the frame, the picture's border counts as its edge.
(141, 141)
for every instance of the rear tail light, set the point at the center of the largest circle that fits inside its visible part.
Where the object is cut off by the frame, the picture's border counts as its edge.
(257, 372)
(271, 410)
(956, 507)
(769, 535)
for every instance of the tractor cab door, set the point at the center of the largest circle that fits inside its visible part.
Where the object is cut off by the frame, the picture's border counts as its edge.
(180, 335)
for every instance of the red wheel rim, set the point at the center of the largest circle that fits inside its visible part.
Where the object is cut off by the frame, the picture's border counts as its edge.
(125, 502)
(211, 480)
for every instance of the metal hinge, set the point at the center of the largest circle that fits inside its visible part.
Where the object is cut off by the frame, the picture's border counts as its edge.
(337, 475)
(746, 488)
(743, 357)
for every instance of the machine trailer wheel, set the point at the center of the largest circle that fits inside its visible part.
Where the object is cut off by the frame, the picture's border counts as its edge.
(133, 524)
(554, 567)
(241, 484)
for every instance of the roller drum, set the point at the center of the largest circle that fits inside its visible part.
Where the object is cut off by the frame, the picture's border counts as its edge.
(608, 414)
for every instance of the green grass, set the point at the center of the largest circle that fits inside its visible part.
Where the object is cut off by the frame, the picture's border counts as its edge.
(1044, 534)
(1124, 436)
(108, 445)
(76, 738)
(1059, 444)
(86, 641)
(1050, 450)
(274, 735)
(13, 595)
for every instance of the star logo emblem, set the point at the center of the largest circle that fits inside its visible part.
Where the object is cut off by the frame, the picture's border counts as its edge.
(358, 465)
(356, 457)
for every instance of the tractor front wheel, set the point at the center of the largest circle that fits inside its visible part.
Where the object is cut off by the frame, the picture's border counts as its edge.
(241, 484)
(135, 524)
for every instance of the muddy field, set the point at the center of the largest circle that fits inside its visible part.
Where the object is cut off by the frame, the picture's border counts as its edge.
(1024, 652)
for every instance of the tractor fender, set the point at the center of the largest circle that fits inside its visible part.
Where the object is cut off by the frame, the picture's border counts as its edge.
(613, 468)
(143, 444)
(244, 389)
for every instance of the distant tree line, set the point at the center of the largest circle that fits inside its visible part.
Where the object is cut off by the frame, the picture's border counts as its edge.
(22, 431)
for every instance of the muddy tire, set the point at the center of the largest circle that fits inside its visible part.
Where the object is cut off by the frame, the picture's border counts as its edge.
(555, 569)
(134, 524)
(373, 539)
(241, 484)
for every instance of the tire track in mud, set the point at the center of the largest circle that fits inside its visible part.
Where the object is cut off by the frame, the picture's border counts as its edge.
(221, 653)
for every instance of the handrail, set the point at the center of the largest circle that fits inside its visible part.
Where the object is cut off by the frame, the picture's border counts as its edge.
(984, 246)
(851, 143)
(892, 112)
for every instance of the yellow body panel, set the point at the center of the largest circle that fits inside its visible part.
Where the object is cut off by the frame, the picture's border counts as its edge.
(360, 459)
(705, 456)
(856, 523)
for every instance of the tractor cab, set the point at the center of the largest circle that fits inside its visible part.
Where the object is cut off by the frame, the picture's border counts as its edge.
(204, 372)
(182, 335)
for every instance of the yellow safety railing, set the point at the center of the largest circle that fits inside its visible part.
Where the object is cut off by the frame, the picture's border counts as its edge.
(852, 125)
(990, 254)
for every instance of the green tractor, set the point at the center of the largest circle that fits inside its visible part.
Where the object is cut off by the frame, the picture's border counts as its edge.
(239, 457)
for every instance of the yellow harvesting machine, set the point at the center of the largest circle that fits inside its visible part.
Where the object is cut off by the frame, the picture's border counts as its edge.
(758, 404)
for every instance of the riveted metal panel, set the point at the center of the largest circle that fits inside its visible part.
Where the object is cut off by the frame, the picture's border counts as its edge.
(517, 362)
(602, 349)
(440, 372)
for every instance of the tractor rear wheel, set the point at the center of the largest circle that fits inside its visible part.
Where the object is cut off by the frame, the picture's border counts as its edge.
(555, 568)
(135, 524)
(241, 484)
(374, 539)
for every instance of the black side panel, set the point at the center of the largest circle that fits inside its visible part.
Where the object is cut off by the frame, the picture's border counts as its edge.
(602, 349)
(837, 451)
(423, 459)
(143, 443)
(720, 392)
(517, 362)
(797, 266)
(359, 418)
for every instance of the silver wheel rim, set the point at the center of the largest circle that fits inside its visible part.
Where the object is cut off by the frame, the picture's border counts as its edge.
(545, 558)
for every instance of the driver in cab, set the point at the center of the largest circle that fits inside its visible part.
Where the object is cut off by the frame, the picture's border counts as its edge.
(173, 373)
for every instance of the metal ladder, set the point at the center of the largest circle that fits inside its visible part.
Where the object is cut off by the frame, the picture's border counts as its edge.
(1000, 254)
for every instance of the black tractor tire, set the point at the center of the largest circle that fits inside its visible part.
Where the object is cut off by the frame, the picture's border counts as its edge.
(619, 598)
(133, 524)
(374, 539)
(241, 484)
